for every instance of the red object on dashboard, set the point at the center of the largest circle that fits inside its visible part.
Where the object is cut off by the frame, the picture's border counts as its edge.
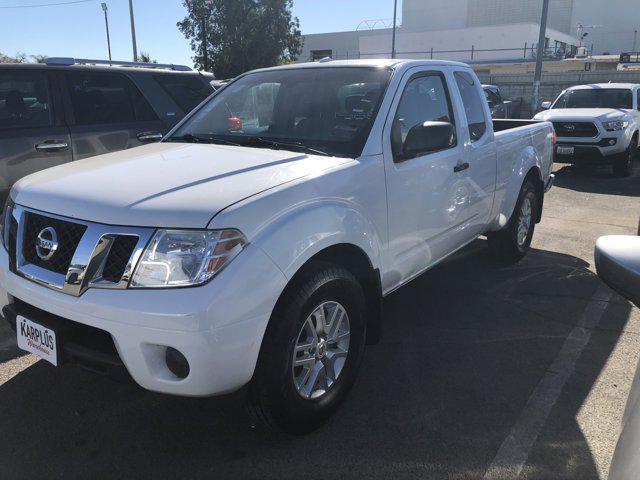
(235, 124)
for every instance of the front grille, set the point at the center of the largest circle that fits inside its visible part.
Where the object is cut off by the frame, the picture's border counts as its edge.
(118, 257)
(575, 129)
(69, 236)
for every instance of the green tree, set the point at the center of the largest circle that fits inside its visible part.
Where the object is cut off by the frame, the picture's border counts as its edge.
(233, 36)
(145, 57)
(38, 58)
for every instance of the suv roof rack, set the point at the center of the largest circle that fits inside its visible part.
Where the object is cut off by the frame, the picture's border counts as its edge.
(114, 63)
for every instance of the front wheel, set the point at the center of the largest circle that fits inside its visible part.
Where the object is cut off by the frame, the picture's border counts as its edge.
(623, 164)
(513, 242)
(311, 351)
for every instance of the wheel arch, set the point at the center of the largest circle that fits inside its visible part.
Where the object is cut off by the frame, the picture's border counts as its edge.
(357, 262)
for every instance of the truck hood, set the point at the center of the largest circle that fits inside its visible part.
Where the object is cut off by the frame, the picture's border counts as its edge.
(601, 114)
(163, 185)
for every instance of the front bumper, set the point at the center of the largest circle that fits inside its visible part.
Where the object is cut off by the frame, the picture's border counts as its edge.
(218, 327)
(602, 149)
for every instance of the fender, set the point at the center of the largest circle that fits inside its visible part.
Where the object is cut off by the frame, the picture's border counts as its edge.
(315, 226)
(526, 159)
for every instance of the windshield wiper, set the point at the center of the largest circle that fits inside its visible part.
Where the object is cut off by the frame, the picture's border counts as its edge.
(191, 138)
(277, 145)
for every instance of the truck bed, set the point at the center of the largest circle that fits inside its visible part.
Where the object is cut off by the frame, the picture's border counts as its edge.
(507, 124)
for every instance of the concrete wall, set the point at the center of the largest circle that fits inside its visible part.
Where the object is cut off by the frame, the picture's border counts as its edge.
(344, 44)
(516, 86)
(456, 44)
(445, 14)
(617, 19)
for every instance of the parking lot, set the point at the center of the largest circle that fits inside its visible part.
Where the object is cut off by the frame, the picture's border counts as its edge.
(481, 367)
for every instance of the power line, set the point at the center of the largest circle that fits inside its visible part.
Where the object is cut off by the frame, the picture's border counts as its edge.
(48, 4)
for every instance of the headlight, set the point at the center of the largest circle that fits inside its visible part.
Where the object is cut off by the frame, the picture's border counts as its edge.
(178, 258)
(4, 222)
(615, 126)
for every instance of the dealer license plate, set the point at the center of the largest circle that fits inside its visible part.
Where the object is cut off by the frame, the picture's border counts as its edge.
(565, 150)
(37, 339)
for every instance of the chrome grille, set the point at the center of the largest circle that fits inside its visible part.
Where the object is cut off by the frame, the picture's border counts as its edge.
(89, 255)
(69, 236)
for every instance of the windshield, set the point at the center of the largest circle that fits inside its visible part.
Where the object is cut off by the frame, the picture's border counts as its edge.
(595, 98)
(323, 110)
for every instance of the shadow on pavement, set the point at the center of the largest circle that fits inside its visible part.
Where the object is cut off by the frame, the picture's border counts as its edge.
(595, 179)
(463, 348)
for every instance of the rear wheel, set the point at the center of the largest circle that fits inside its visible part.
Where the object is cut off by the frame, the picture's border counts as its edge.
(311, 351)
(623, 164)
(513, 242)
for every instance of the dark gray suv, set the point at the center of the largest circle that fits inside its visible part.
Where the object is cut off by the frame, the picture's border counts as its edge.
(68, 109)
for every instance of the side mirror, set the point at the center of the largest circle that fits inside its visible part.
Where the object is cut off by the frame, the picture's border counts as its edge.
(428, 137)
(545, 105)
(618, 264)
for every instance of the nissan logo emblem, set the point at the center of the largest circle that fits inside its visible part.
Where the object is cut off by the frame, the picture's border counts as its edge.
(46, 243)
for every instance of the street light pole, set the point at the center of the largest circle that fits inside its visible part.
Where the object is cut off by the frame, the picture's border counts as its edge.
(393, 35)
(133, 32)
(539, 55)
(106, 24)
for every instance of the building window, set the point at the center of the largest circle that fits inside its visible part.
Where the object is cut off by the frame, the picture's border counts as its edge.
(320, 54)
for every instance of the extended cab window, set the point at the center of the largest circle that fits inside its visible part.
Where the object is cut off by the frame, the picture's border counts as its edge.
(100, 98)
(24, 99)
(473, 105)
(425, 98)
(330, 110)
(187, 91)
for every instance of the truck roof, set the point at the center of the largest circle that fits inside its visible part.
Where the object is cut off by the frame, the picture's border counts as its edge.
(629, 86)
(373, 62)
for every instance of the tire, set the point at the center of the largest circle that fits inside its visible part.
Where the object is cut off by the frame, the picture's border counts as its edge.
(506, 245)
(278, 395)
(623, 164)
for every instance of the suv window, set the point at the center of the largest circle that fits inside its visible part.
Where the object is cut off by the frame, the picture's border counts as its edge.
(106, 98)
(186, 91)
(425, 98)
(473, 106)
(492, 97)
(24, 99)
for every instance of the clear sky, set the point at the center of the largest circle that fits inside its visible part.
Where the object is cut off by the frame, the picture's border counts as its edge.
(77, 30)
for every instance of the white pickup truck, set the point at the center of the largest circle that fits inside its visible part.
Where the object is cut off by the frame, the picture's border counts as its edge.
(597, 124)
(254, 244)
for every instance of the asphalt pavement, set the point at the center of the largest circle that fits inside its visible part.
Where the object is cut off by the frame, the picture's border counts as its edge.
(484, 371)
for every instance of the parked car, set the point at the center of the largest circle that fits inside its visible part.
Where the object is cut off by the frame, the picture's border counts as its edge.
(67, 109)
(501, 108)
(255, 242)
(618, 264)
(597, 124)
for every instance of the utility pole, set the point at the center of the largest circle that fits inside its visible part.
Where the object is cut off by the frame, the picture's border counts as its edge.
(393, 35)
(541, 44)
(133, 32)
(106, 24)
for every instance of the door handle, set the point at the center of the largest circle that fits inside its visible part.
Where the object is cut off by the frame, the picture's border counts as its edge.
(149, 136)
(52, 146)
(460, 167)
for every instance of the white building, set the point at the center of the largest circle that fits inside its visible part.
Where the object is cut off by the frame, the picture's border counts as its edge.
(487, 30)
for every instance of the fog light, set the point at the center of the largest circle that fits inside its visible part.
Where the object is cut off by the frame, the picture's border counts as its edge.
(177, 363)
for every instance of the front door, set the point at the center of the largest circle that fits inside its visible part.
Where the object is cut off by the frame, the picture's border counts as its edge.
(108, 113)
(424, 206)
(32, 135)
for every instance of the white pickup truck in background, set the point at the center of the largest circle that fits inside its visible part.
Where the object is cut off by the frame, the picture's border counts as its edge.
(254, 244)
(597, 124)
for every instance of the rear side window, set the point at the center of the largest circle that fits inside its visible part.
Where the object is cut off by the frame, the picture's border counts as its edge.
(473, 106)
(186, 91)
(24, 99)
(99, 98)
